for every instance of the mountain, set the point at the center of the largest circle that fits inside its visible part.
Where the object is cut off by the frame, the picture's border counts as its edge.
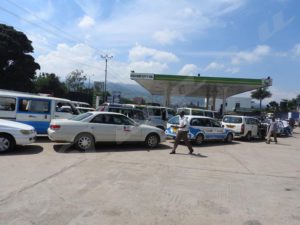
(134, 90)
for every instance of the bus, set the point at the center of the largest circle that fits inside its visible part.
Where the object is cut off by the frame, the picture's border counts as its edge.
(33, 109)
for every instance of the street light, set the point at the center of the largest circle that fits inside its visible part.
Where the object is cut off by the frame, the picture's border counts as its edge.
(106, 57)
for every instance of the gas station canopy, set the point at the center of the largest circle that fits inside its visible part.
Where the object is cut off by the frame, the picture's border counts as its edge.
(196, 86)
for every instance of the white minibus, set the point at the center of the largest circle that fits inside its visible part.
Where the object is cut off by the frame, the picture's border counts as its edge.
(34, 110)
(199, 112)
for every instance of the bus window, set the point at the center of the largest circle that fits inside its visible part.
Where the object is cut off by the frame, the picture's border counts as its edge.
(34, 106)
(7, 104)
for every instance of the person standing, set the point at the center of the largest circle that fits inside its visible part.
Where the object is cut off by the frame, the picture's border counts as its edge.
(272, 131)
(182, 133)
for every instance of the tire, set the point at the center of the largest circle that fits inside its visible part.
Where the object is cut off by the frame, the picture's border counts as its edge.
(248, 136)
(229, 138)
(152, 140)
(7, 143)
(84, 142)
(199, 139)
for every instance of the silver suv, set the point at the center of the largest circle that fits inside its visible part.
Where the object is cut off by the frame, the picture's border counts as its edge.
(244, 126)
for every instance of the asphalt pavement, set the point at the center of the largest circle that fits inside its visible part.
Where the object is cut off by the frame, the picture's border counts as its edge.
(242, 183)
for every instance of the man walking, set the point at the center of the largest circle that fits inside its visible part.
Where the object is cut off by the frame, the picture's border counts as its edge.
(182, 133)
(272, 131)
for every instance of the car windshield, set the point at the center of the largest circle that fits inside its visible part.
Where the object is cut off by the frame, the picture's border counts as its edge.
(231, 119)
(81, 116)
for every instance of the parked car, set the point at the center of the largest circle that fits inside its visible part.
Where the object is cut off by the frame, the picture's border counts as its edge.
(246, 127)
(14, 133)
(87, 128)
(201, 129)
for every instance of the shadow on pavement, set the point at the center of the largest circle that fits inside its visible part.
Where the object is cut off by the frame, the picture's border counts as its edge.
(24, 150)
(208, 143)
(193, 155)
(42, 139)
(109, 147)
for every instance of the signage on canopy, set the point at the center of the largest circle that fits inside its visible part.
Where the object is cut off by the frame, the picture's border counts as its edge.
(143, 76)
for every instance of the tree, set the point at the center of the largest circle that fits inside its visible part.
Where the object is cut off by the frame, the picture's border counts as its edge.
(260, 94)
(49, 83)
(17, 66)
(273, 106)
(75, 81)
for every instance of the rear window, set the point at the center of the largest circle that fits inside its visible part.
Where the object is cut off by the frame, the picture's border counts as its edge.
(197, 112)
(81, 116)
(229, 119)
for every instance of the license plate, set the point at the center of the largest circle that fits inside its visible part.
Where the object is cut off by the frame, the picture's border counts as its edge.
(230, 126)
(175, 129)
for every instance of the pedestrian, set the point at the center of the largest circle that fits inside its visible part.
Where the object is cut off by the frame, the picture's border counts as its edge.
(272, 131)
(182, 133)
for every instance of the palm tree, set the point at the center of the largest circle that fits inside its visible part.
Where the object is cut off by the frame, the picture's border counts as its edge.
(260, 94)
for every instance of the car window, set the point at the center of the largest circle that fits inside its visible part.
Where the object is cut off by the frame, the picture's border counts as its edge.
(122, 120)
(103, 118)
(81, 116)
(7, 104)
(231, 119)
(215, 123)
(202, 122)
(209, 114)
(34, 105)
(197, 112)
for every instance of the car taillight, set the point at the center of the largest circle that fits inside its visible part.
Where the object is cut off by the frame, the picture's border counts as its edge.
(243, 128)
(54, 127)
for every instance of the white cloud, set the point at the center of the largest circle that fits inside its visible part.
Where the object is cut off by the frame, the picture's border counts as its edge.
(65, 59)
(233, 70)
(86, 22)
(279, 94)
(214, 66)
(140, 53)
(167, 36)
(189, 69)
(250, 57)
(148, 67)
(296, 50)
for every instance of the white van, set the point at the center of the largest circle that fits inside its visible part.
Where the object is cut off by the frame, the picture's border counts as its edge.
(199, 112)
(154, 115)
(34, 110)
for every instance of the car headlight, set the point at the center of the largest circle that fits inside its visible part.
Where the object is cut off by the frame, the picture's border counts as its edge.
(26, 132)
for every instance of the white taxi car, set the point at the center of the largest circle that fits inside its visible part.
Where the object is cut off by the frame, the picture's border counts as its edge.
(201, 128)
(88, 128)
(14, 133)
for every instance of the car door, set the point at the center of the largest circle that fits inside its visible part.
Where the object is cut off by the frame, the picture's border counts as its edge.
(126, 129)
(218, 131)
(254, 126)
(103, 128)
(206, 127)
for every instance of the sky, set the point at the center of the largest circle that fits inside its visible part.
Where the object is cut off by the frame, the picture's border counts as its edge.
(221, 38)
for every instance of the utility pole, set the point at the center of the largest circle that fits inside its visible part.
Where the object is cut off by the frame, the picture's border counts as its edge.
(106, 57)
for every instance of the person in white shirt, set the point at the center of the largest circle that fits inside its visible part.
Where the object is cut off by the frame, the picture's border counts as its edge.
(183, 129)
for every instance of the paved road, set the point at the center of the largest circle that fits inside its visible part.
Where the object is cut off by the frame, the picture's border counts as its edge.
(240, 183)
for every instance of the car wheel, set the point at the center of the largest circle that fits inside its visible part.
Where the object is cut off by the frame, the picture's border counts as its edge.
(151, 140)
(248, 136)
(6, 142)
(84, 142)
(199, 139)
(229, 138)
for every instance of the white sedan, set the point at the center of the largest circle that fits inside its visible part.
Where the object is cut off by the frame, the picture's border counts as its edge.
(86, 129)
(14, 133)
